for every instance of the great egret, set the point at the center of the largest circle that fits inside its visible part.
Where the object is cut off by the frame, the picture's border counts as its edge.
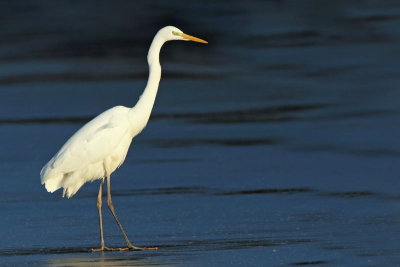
(97, 149)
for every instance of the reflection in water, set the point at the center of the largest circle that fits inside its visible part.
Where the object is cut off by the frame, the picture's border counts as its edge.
(103, 259)
(174, 253)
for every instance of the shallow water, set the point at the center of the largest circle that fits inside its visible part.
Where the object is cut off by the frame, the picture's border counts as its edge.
(274, 145)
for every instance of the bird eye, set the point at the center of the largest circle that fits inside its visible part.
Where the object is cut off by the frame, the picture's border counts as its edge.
(175, 33)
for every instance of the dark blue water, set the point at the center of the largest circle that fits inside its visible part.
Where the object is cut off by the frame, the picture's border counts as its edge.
(274, 145)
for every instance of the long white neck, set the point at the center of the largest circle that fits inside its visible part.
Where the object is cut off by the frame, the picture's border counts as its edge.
(142, 110)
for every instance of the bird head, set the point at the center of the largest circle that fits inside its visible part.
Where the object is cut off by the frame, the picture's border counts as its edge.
(170, 33)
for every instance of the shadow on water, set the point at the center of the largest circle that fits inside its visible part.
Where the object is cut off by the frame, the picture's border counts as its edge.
(364, 152)
(268, 191)
(220, 192)
(92, 77)
(286, 39)
(283, 113)
(304, 263)
(199, 190)
(264, 114)
(180, 246)
(230, 244)
(219, 142)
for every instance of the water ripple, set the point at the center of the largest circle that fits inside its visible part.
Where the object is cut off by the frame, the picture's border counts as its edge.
(262, 114)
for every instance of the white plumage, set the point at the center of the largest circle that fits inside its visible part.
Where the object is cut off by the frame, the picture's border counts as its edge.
(100, 146)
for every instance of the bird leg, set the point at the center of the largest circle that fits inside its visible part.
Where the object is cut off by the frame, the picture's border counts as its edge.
(99, 204)
(112, 209)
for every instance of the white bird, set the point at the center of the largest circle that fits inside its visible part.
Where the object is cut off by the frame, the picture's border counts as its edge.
(97, 149)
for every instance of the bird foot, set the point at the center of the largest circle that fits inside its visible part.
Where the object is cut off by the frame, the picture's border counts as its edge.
(130, 246)
(101, 249)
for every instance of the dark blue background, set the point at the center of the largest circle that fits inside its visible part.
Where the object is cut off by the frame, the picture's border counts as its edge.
(275, 144)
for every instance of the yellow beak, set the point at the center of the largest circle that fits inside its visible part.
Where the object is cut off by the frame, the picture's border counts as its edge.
(192, 38)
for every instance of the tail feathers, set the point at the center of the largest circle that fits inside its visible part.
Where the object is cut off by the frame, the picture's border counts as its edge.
(54, 180)
(72, 185)
(71, 182)
(54, 183)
